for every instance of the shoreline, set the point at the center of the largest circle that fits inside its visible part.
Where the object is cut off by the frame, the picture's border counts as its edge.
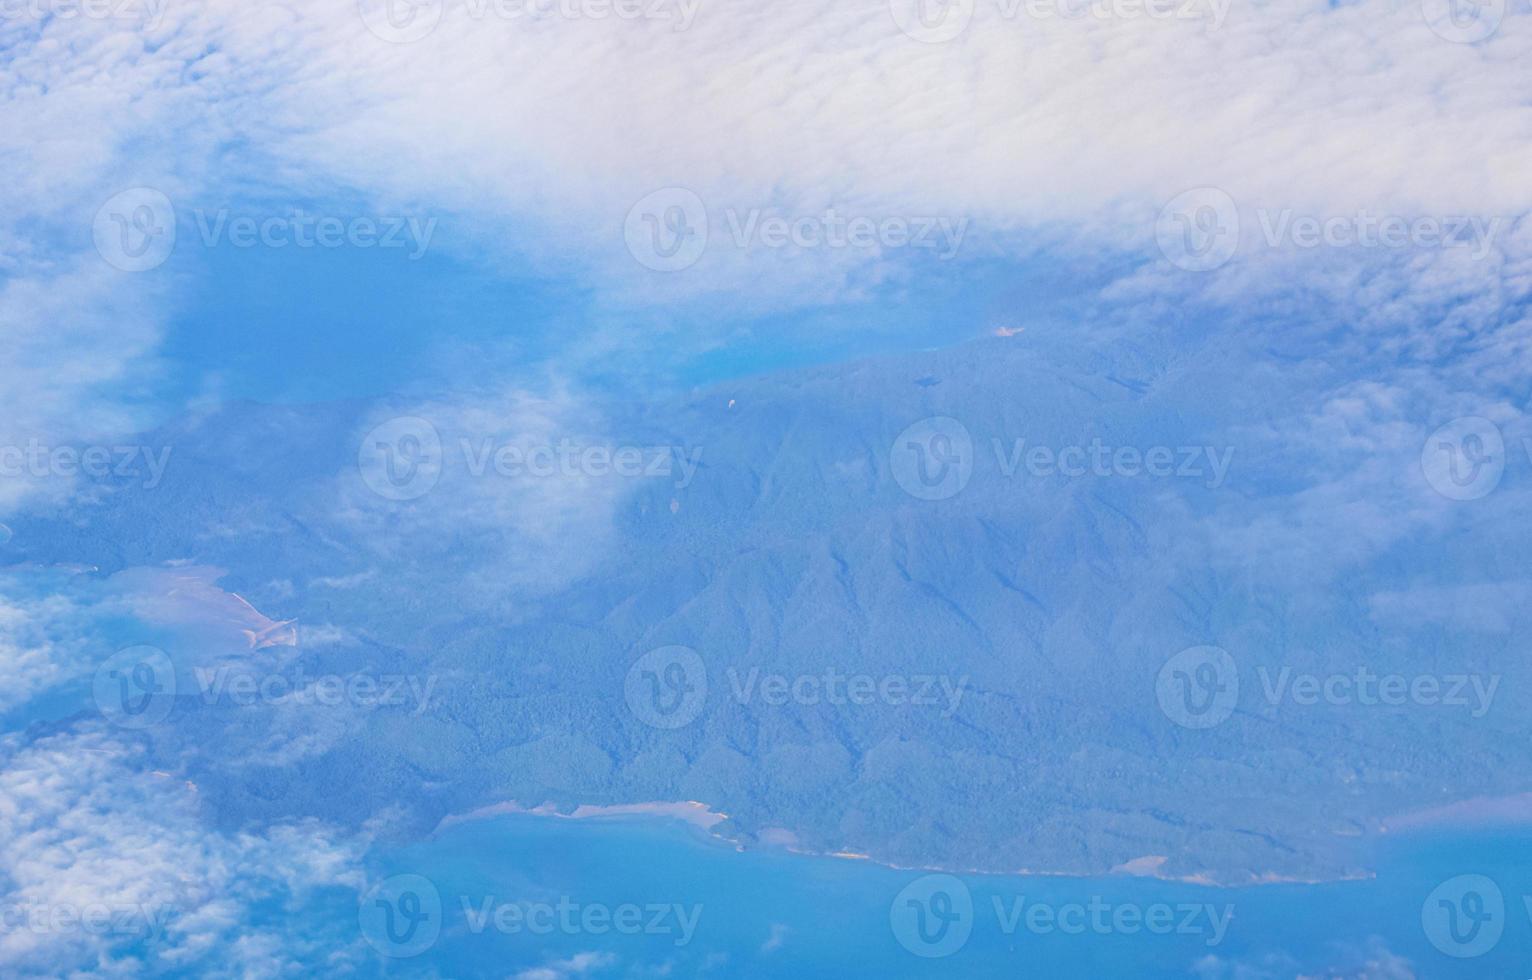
(701, 817)
(1475, 813)
(687, 811)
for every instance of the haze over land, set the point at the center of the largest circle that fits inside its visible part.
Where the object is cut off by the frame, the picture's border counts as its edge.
(1026, 617)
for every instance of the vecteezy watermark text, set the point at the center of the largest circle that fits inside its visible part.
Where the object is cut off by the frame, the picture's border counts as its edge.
(299, 229)
(933, 459)
(834, 230)
(131, 463)
(146, 12)
(117, 919)
(1201, 229)
(1200, 686)
(404, 458)
(1096, 458)
(567, 458)
(836, 688)
(670, 229)
(939, 21)
(934, 916)
(405, 21)
(246, 688)
(402, 916)
(1362, 686)
(570, 917)
(1097, 916)
(137, 230)
(668, 688)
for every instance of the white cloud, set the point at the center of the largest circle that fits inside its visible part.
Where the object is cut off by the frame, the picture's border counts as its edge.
(1077, 130)
(1367, 960)
(39, 647)
(542, 131)
(84, 826)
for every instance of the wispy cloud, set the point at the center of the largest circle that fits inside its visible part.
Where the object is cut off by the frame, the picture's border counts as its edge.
(578, 965)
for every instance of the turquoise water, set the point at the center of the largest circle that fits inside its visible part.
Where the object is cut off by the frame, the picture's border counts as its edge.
(771, 913)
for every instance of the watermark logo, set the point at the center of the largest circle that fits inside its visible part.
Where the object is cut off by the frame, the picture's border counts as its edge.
(667, 230)
(1464, 459)
(401, 459)
(401, 916)
(932, 916)
(135, 687)
(1463, 21)
(1199, 687)
(933, 459)
(666, 688)
(1199, 229)
(932, 21)
(135, 231)
(1464, 917)
(401, 21)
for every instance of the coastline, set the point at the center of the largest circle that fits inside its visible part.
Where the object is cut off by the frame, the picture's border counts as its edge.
(701, 817)
(687, 811)
(1474, 812)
